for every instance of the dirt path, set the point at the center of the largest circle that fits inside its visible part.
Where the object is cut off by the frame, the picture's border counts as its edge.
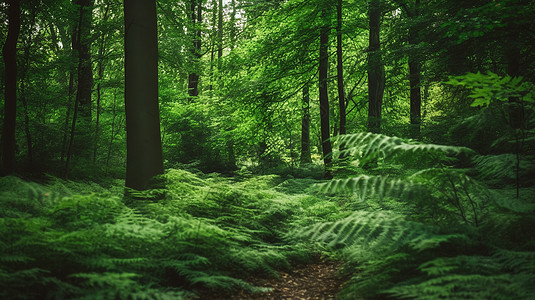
(313, 281)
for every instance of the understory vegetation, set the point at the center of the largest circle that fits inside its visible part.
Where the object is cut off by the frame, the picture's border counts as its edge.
(431, 229)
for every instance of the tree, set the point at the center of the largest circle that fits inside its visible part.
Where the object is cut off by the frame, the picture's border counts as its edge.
(324, 93)
(196, 32)
(415, 65)
(9, 53)
(340, 68)
(305, 128)
(144, 147)
(82, 104)
(376, 71)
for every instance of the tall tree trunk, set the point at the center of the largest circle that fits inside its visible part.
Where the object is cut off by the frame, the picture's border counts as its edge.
(305, 128)
(196, 19)
(414, 79)
(143, 142)
(324, 95)
(82, 105)
(9, 53)
(85, 73)
(64, 146)
(220, 33)
(376, 71)
(213, 44)
(340, 68)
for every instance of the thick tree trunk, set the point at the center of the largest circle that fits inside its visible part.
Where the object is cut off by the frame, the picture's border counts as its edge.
(376, 72)
(305, 128)
(143, 142)
(9, 53)
(324, 96)
(340, 68)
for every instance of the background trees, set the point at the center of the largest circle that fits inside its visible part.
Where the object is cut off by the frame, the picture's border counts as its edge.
(233, 75)
(9, 54)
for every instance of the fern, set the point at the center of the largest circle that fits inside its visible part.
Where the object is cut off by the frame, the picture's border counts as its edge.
(367, 147)
(472, 277)
(365, 186)
(375, 229)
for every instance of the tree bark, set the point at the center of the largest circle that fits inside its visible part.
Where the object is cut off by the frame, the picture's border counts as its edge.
(64, 146)
(82, 104)
(143, 142)
(213, 43)
(324, 95)
(85, 72)
(376, 72)
(340, 68)
(196, 19)
(305, 128)
(9, 53)
(414, 79)
(220, 33)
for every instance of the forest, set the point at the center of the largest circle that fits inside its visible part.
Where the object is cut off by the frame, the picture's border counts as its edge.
(267, 149)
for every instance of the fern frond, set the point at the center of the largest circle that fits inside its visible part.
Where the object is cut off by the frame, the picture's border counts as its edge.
(502, 166)
(507, 200)
(380, 229)
(367, 147)
(516, 261)
(367, 186)
(472, 286)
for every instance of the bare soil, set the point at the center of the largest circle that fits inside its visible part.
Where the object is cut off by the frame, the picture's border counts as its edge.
(318, 280)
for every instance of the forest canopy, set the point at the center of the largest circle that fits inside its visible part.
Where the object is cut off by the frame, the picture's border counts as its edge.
(185, 149)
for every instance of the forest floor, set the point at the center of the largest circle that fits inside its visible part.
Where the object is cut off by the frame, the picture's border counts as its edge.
(315, 281)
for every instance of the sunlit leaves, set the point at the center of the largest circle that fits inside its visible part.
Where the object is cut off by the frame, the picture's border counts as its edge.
(486, 88)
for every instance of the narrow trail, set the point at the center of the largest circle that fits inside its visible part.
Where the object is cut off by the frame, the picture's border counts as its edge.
(313, 281)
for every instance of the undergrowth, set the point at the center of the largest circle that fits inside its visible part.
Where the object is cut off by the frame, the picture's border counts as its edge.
(410, 220)
(198, 234)
(429, 226)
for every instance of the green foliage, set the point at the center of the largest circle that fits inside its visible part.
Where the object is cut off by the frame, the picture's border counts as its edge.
(485, 88)
(432, 231)
(375, 230)
(367, 147)
(204, 234)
